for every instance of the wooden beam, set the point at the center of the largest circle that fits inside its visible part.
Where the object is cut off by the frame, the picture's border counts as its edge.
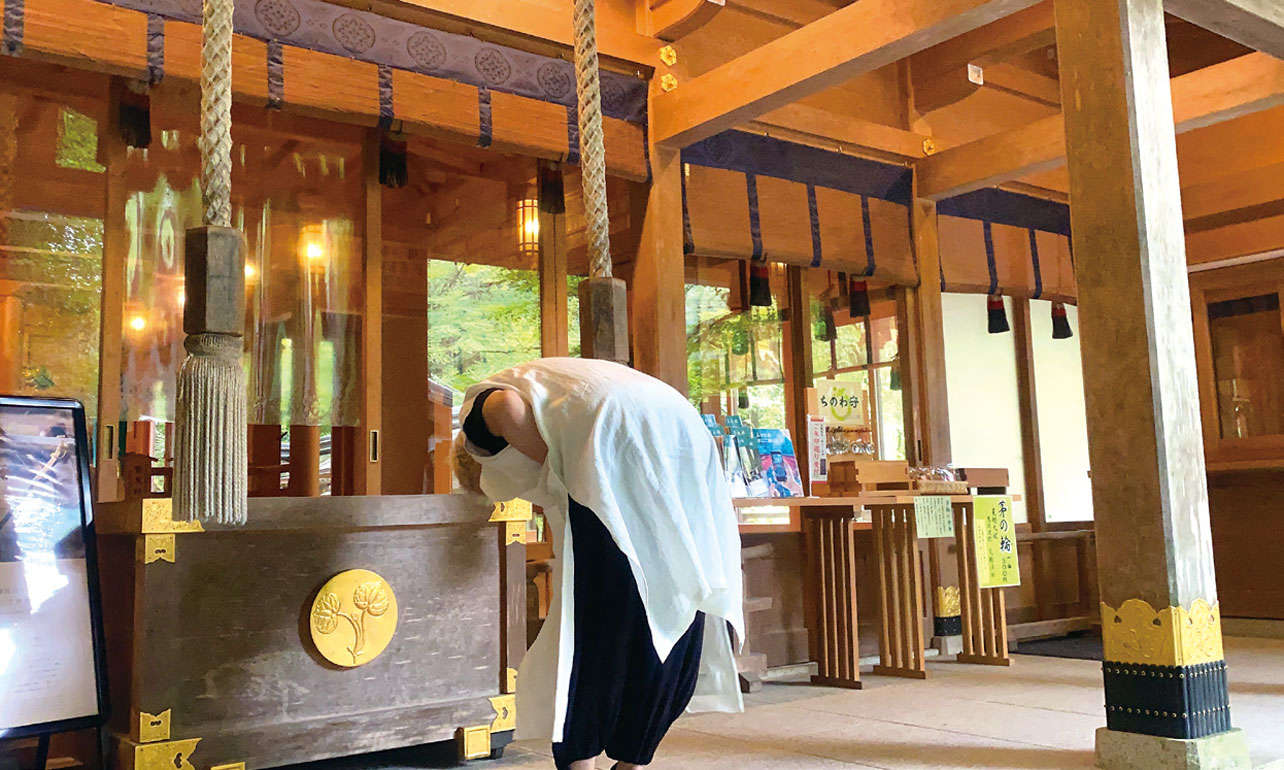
(833, 130)
(672, 19)
(1212, 95)
(105, 38)
(1258, 24)
(940, 75)
(859, 38)
(932, 409)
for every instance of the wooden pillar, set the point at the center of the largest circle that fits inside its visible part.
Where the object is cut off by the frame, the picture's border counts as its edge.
(658, 288)
(798, 366)
(111, 151)
(368, 460)
(1031, 454)
(1164, 668)
(10, 336)
(554, 321)
(931, 412)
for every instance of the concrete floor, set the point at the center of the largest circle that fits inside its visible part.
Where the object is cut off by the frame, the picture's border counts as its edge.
(1040, 713)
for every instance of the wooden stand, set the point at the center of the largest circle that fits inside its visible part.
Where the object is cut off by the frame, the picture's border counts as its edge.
(985, 628)
(831, 582)
(900, 641)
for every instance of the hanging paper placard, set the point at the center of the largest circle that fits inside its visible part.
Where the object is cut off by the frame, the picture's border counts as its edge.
(842, 402)
(934, 516)
(994, 533)
(816, 450)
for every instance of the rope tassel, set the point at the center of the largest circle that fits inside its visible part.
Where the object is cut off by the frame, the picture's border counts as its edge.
(1060, 323)
(998, 314)
(210, 457)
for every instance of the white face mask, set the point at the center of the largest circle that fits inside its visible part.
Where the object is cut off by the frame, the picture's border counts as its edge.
(508, 474)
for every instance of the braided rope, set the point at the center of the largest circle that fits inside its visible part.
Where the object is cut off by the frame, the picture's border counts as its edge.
(216, 112)
(592, 152)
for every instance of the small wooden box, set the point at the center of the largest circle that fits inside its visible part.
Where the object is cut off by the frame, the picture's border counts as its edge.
(983, 477)
(849, 474)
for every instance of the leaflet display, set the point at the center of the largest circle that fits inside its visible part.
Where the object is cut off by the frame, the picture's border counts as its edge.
(52, 676)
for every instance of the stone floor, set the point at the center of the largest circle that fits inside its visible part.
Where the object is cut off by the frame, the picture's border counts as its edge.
(1040, 713)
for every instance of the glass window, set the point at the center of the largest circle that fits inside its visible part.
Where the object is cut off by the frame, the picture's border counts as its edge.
(299, 203)
(861, 350)
(734, 358)
(980, 376)
(1248, 364)
(1063, 427)
(50, 245)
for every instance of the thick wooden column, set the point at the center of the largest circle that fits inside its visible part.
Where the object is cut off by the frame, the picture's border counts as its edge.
(111, 154)
(368, 461)
(798, 365)
(1164, 668)
(554, 320)
(658, 300)
(925, 358)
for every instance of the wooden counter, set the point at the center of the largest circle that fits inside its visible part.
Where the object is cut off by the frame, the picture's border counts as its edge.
(209, 638)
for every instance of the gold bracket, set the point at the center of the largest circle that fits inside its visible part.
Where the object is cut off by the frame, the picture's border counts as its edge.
(514, 532)
(153, 727)
(669, 55)
(158, 518)
(473, 742)
(152, 548)
(511, 676)
(929, 146)
(668, 82)
(164, 755)
(505, 713)
(516, 509)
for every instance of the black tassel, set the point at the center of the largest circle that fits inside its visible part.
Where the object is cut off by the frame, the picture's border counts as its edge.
(998, 315)
(831, 328)
(392, 163)
(135, 118)
(857, 297)
(894, 382)
(742, 399)
(759, 285)
(1060, 324)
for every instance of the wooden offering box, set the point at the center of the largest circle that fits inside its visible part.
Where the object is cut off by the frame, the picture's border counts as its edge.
(221, 640)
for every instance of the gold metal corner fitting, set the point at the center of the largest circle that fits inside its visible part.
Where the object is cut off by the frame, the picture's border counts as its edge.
(229, 766)
(668, 82)
(929, 146)
(516, 509)
(1138, 633)
(474, 742)
(948, 603)
(163, 755)
(510, 680)
(153, 727)
(514, 532)
(158, 518)
(152, 548)
(669, 55)
(505, 713)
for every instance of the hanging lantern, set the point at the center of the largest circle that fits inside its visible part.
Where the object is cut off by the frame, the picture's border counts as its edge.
(759, 285)
(1060, 323)
(998, 321)
(392, 163)
(528, 227)
(858, 297)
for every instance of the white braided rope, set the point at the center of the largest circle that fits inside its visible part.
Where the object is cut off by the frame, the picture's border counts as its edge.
(216, 112)
(592, 153)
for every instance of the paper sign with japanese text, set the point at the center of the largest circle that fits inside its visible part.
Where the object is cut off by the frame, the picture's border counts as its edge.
(842, 402)
(994, 533)
(934, 516)
(816, 451)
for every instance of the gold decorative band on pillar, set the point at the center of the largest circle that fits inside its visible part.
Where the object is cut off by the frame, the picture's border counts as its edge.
(948, 617)
(1165, 670)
